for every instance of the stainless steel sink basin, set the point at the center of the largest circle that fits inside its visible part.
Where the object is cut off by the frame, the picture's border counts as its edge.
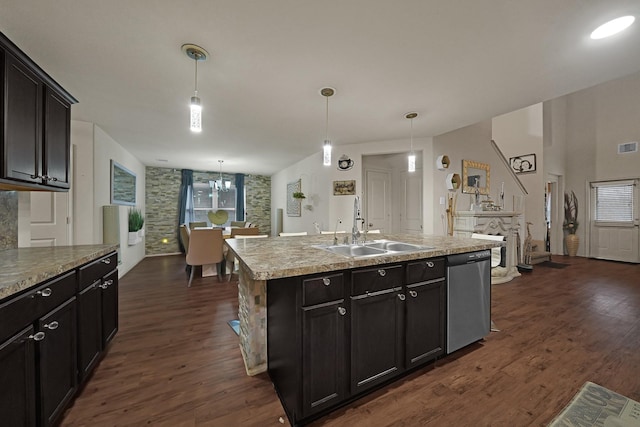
(375, 248)
(354, 250)
(389, 245)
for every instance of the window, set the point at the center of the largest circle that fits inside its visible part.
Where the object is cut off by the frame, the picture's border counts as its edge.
(206, 198)
(614, 201)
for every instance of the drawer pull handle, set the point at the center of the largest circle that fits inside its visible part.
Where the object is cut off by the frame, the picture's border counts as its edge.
(46, 292)
(106, 284)
(326, 281)
(413, 294)
(382, 272)
(39, 336)
(402, 297)
(106, 261)
(430, 264)
(53, 325)
(342, 311)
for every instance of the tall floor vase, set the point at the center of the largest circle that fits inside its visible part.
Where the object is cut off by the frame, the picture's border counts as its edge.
(572, 241)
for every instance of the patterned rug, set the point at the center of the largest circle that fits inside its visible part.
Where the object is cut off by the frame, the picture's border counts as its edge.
(235, 325)
(596, 406)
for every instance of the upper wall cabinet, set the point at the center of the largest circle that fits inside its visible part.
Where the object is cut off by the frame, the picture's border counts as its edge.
(35, 124)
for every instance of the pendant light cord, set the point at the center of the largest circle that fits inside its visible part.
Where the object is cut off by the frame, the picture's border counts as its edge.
(196, 85)
(411, 136)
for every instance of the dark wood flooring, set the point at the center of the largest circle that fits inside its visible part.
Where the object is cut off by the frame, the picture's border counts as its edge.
(176, 362)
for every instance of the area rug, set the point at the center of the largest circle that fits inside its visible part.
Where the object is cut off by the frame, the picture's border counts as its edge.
(597, 406)
(552, 264)
(235, 325)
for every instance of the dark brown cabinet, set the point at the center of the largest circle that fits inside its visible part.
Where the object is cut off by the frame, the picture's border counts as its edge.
(57, 366)
(336, 336)
(35, 124)
(425, 311)
(17, 376)
(97, 311)
(377, 326)
(47, 334)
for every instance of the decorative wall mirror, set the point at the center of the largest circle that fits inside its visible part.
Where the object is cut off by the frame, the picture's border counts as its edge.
(472, 173)
(123, 185)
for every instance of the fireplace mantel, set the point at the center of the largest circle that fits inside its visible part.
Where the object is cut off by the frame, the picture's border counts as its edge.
(504, 223)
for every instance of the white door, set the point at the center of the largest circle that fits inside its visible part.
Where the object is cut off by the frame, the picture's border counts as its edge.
(50, 218)
(378, 195)
(614, 232)
(411, 214)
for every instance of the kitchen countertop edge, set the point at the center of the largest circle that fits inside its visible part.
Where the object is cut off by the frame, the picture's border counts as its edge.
(24, 268)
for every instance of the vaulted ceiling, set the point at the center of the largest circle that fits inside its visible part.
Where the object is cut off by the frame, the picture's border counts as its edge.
(454, 62)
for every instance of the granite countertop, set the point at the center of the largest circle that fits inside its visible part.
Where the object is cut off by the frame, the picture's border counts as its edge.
(23, 268)
(276, 257)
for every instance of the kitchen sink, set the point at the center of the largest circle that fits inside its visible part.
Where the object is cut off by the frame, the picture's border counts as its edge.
(371, 249)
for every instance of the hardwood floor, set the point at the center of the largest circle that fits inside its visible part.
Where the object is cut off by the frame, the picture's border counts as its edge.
(176, 362)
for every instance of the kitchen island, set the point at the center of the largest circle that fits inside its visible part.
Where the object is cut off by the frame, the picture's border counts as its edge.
(263, 260)
(331, 328)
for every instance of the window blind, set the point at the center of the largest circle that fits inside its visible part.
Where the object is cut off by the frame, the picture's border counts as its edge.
(614, 202)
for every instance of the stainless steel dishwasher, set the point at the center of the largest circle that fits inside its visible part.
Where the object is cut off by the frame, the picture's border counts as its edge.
(468, 298)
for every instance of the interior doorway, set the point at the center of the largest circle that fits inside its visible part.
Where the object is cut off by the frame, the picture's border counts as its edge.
(393, 197)
(553, 213)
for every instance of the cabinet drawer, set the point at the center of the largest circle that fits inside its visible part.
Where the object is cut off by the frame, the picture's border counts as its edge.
(424, 270)
(376, 279)
(20, 311)
(321, 289)
(97, 269)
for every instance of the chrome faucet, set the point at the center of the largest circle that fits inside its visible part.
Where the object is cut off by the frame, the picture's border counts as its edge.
(355, 231)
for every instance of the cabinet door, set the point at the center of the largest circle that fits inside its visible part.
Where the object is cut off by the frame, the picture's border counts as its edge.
(89, 329)
(22, 122)
(18, 379)
(57, 136)
(57, 354)
(323, 356)
(425, 322)
(376, 338)
(109, 307)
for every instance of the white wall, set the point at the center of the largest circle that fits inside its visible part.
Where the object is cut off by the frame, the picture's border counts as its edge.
(520, 133)
(317, 184)
(93, 151)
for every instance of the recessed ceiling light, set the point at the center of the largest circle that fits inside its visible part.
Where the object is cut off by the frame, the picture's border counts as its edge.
(612, 27)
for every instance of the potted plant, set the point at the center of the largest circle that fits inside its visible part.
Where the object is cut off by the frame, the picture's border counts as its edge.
(299, 195)
(571, 223)
(136, 222)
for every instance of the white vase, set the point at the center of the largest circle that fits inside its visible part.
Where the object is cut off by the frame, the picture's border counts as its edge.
(133, 238)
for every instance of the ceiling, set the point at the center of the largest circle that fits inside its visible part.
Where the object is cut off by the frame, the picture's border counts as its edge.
(454, 62)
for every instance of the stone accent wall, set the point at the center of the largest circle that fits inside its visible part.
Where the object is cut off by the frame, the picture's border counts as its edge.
(252, 313)
(8, 220)
(258, 197)
(162, 192)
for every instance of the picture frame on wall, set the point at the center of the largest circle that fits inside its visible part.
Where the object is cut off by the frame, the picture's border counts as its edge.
(523, 164)
(293, 204)
(344, 188)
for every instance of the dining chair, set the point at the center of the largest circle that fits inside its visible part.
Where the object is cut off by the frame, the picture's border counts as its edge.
(205, 247)
(251, 231)
(230, 258)
(195, 224)
(184, 237)
(297, 233)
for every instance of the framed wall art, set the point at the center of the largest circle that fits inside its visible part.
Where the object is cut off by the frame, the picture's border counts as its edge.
(523, 164)
(293, 204)
(344, 188)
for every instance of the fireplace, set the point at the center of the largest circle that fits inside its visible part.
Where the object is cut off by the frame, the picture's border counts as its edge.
(502, 223)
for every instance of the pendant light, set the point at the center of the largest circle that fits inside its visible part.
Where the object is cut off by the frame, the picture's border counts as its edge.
(411, 166)
(220, 184)
(197, 54)
(326, 148)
